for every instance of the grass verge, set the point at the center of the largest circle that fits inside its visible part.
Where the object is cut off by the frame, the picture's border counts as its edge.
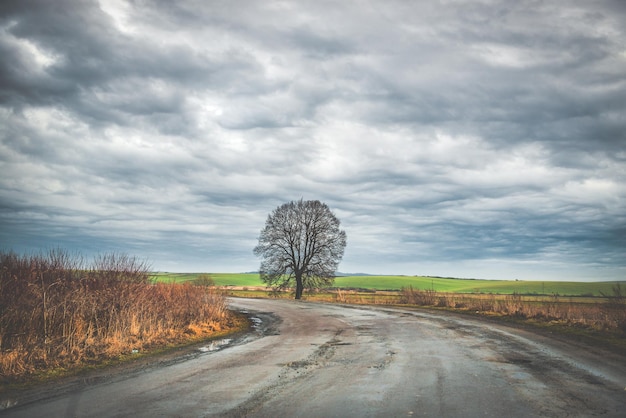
(125, 363)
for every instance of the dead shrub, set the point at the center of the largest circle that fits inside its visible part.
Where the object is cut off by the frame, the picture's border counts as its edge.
(412, 296)
(56, 310)
(442, 302)
(609, 315)
(614, 309)
(204, 280)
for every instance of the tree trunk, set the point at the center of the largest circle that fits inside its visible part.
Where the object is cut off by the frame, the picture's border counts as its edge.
(299, 286)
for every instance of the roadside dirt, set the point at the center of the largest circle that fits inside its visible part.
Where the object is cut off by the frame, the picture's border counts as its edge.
(310, 359)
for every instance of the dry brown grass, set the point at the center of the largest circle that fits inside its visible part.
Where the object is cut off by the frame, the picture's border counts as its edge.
(56, 311)
(606, 314)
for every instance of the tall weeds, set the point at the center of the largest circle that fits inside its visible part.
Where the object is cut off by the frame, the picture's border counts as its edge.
(609, 315)
(56, 310)
(413, 296)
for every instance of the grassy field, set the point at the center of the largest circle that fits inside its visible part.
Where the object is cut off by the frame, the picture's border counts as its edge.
(221, 279)
(418, 282)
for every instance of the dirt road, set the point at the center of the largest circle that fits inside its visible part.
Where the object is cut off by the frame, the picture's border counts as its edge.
(319, 360)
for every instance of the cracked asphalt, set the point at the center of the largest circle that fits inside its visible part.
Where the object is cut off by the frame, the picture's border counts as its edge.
(320, 360)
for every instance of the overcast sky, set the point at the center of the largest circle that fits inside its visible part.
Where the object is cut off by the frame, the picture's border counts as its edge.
(482, 139)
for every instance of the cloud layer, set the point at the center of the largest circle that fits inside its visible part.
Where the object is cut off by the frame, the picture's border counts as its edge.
(462, 138)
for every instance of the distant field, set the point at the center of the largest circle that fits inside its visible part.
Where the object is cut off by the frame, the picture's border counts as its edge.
(221, 279)
(476, 286)
(419, 282)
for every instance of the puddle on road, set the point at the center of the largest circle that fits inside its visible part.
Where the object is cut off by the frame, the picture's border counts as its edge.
(215, 345)
(257, 324)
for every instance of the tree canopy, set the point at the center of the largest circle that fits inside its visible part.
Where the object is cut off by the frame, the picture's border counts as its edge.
(301, 244)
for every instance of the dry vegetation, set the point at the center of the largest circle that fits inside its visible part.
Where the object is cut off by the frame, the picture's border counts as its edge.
(56, 311)
(607, 315)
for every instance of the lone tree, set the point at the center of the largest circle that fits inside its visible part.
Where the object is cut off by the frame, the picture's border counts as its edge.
(301, 242)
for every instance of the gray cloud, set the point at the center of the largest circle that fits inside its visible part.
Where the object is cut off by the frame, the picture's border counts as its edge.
(471, 139)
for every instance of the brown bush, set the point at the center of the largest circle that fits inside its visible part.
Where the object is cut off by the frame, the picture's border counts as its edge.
(413, 296)
(609, 315)
(55, 310)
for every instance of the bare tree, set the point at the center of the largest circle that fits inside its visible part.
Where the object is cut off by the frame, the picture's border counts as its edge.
(301, 243)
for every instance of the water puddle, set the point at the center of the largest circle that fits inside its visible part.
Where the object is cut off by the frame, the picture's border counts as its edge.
(215, 345)
(256, 322)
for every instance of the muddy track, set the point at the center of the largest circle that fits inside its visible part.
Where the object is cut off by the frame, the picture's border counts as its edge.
(309, 359)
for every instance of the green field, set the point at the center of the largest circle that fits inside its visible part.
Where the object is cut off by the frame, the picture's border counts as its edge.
(221, 279)
(418, 282)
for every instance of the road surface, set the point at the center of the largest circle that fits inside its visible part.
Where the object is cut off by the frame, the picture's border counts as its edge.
(322, 360)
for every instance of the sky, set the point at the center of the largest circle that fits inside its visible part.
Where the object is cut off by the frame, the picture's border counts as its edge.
(475, 139)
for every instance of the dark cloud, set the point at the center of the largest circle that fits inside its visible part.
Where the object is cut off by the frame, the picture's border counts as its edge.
(470, 139)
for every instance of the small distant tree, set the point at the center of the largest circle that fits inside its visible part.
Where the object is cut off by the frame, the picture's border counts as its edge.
(301, 244)
(204, 280)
